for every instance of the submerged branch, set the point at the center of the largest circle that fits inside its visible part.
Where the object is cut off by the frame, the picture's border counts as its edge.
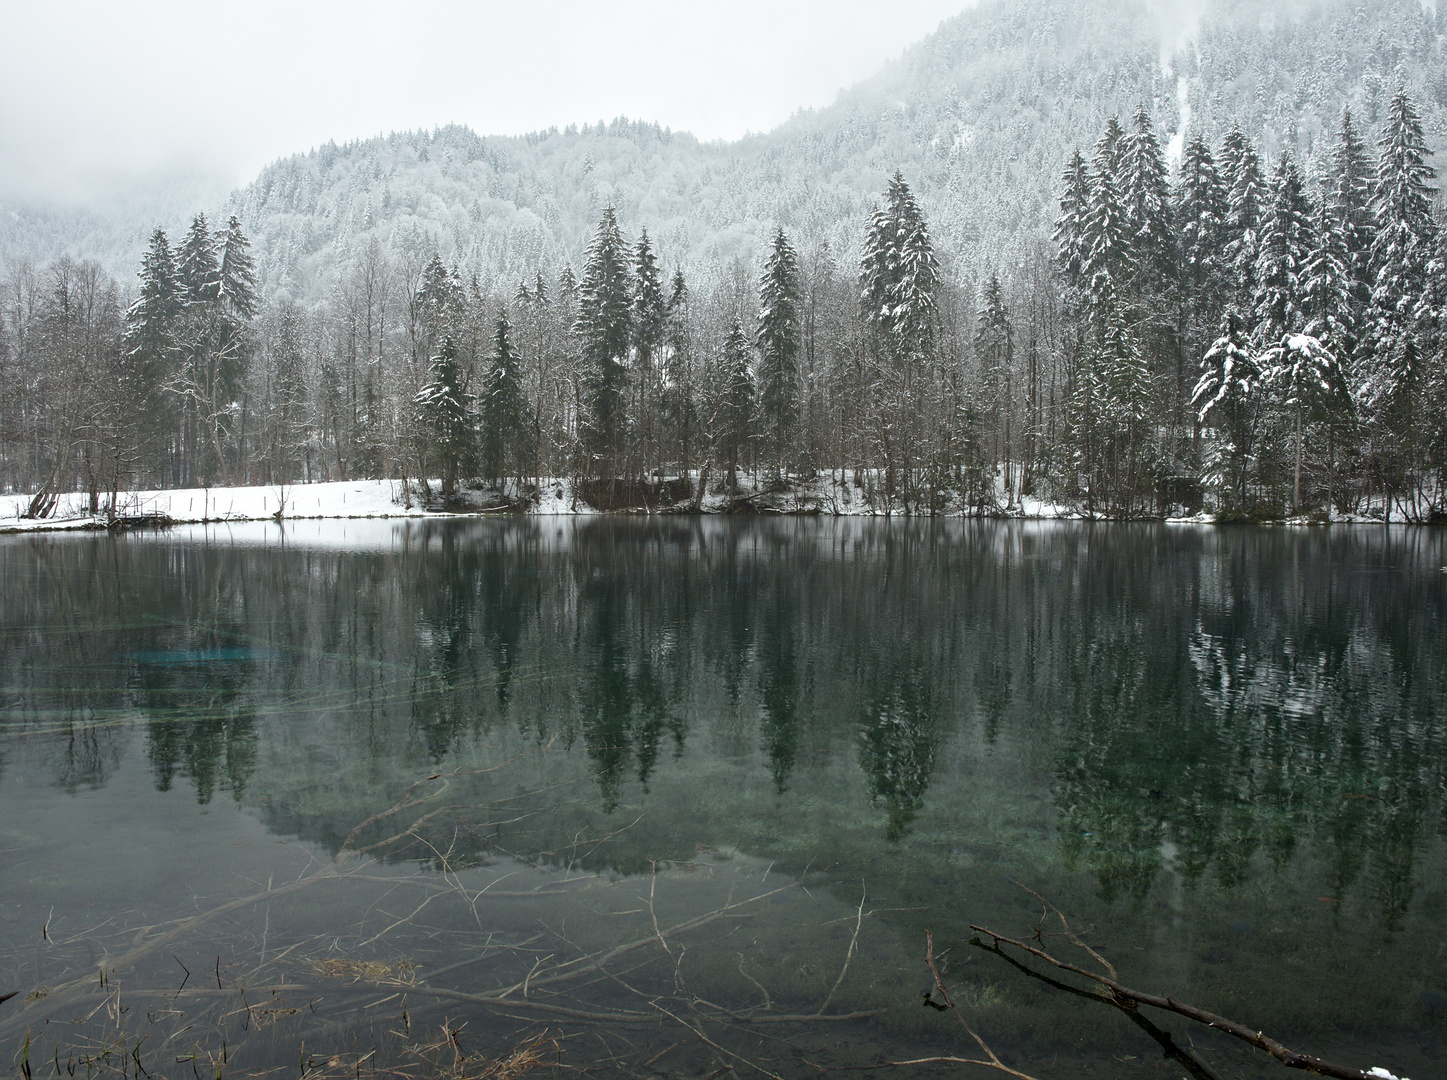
(1129, 999)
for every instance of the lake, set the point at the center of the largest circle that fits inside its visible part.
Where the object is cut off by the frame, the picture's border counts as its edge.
(675, 796)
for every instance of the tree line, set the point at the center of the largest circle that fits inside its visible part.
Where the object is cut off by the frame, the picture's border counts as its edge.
(1270, 347)
(1235, 337)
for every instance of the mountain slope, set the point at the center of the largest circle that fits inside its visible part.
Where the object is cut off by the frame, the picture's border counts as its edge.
(980, 116)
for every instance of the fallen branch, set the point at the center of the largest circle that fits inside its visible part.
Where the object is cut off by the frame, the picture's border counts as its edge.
(1162, 1038)
(1128, 998)
(994, 1062)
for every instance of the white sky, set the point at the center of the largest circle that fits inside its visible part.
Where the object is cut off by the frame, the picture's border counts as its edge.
(92, 92)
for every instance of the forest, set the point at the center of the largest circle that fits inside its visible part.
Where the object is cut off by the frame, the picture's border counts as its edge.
(1224, 334)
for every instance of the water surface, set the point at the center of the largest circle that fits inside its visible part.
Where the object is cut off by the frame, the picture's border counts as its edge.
(1221, 752)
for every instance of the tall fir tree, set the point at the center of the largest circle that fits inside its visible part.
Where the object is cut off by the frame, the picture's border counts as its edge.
(1110, 150)
(1070, 226)
(1200, 214)
(1394, 374)
(1404, 243)
(150, 346)
(1245, 199)
(1227, 398)
(737, 406)
(650, 308)
(1350, 203)
(649, 327)
(209, 372)
(1311, 383)
(237, 275)
(1146, 197)
(680, 410)
(1108, 250)
(604, 329)
(1128, 390)
(446, 430)
(995, 351)
(198, 266)
(1284, 252)
(780, 339)
(899, 275)
(502, 407)
(1331, 314)
(438, 309)
(151, 321)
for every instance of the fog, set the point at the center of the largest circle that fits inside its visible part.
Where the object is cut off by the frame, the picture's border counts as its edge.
(97, 97)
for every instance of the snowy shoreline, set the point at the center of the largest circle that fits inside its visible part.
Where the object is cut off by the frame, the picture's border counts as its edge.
(354, 499)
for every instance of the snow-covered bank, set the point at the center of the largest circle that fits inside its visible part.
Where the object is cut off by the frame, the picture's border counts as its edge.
(340, 499)
(834, 495)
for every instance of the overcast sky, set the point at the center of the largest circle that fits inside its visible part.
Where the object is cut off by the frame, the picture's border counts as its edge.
(89, 90)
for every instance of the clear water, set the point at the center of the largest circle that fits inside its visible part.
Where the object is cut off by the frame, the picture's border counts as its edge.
(1222, 753)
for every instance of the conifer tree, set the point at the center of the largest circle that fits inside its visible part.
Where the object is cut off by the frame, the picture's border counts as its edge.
(237, 275)
(1127, 386)
(604, 327)
(649, 306)
(1331, 315)
(1310, 381)
(1226, 399)
(1110, 150)
(1350, 203)
(899, 275)
(198, 268)
(1200, 213)
(737, 407)
(1070, 227)
(207, 374)
(994, 348)
(1401, 252)
(1284, 252)
(679, 409)
(237, 304)
(1087, 421)
(1245, 187)
(780, 338)
(1394, 375)
(648, 323)
(1146, 197)
(438, 308)
(1108, 250)
(149, 345)
(447, 437)
(502, 406)
(151, 321)
(567, 281)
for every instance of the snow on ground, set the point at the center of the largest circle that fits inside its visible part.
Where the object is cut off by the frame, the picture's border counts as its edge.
(837, 493)
(340, 499)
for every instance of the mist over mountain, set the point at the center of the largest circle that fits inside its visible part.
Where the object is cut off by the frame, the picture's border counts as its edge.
(980, 117)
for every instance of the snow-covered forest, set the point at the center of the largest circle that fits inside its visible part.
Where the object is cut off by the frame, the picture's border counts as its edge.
(1231, 296)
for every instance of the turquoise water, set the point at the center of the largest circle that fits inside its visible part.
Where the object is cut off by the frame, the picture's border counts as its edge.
(1221, 752)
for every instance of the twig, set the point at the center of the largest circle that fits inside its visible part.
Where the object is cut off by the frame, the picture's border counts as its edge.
(716, 1046)
(1045, 908)
(1124, 994)
(652, 914)
(853, 942)
(1162, 1038)
(994, 1062)
(768, 1002)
